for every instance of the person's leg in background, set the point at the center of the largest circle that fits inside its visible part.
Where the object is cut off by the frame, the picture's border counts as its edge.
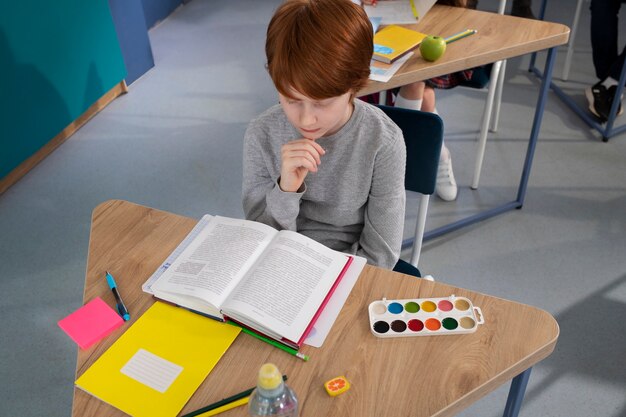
(418, 96)
(411, 96)
(522, 8)
(606, 61)
(604, 23)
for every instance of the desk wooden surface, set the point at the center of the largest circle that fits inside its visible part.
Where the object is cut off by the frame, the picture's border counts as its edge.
(418, 376)
(499, 37)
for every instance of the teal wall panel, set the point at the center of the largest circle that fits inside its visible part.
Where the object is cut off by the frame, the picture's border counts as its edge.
(56, 59)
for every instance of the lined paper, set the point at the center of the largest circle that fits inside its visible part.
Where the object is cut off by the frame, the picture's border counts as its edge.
(151, 370)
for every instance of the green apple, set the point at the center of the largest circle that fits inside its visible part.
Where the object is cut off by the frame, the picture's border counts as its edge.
(432, 47)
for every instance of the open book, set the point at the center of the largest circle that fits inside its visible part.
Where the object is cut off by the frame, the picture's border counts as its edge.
(274, 282)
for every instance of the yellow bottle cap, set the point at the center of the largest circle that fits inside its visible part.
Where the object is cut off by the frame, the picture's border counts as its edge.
(269, 377)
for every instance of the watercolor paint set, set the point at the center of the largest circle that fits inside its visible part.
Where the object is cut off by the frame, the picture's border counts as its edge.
(424, 317)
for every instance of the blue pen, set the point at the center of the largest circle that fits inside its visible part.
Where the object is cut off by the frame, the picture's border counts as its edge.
(121, 308)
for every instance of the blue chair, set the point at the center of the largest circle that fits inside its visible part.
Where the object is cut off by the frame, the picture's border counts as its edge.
(490, 77)
(423, 135)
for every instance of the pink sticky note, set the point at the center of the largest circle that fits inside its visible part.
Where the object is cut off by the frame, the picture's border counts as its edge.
(91, 322)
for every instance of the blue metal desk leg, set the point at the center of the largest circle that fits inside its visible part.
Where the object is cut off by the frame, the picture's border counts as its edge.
(530, 152)
(542, 13)
(534, 134)
(516, 394)
(607, 131)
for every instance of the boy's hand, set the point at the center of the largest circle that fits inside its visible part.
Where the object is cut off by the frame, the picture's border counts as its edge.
(298, 157)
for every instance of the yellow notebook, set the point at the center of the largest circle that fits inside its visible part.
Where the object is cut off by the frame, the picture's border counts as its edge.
(393, 41)
(159, 362)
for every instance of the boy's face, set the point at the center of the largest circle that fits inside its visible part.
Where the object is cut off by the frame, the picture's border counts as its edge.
(317, 118)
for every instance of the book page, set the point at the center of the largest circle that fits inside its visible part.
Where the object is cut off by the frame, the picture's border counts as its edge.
(285, 288)
(214, 262)
(379, 71)
(329, 314)
(147, 286)
(399, 11)
(392, 11)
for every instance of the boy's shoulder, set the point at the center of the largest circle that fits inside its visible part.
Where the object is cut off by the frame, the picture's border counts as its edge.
(272, 122)
(269, 116)
(375, 119)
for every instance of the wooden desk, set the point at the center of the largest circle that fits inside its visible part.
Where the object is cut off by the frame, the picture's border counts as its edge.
(420, 376)
(499, 37)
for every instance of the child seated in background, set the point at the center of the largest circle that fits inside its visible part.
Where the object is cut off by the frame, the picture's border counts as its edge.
(421, 95)
(322, 163)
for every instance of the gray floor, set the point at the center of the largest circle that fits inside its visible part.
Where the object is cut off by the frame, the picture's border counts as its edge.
(174, 142)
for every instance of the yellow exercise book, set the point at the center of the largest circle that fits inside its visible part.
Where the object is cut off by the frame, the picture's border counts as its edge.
(159, 362)
(392, 42)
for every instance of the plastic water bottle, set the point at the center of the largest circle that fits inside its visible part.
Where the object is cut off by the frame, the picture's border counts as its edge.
(272, 397)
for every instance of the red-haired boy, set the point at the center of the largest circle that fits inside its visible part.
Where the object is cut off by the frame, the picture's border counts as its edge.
(322, 163)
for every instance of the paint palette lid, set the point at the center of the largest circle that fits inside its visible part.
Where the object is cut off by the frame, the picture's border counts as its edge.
(434, 316)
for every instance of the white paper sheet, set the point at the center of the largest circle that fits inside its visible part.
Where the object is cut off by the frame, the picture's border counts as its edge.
(328, 316)
(151, 370)
(383, 72)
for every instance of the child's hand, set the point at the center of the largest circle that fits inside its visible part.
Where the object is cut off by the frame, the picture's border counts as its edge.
(369, 2)
(298, 158)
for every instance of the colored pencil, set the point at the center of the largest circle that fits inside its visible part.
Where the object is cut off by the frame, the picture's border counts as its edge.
(274, 343)
(224, 402)
(414, 10)
(226, 407)
(460, 35)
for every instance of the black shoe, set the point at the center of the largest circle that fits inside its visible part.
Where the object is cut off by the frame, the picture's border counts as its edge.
(600, 100)
(612, 91)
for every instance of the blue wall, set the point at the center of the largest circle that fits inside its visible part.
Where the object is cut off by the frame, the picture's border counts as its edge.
(56, 59)
(132, 32)
(157, 10)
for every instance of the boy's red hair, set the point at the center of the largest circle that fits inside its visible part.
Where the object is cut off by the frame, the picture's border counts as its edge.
(320, 48)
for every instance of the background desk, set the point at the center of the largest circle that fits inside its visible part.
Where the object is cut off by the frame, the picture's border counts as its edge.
(499, 37)
(421, 376)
